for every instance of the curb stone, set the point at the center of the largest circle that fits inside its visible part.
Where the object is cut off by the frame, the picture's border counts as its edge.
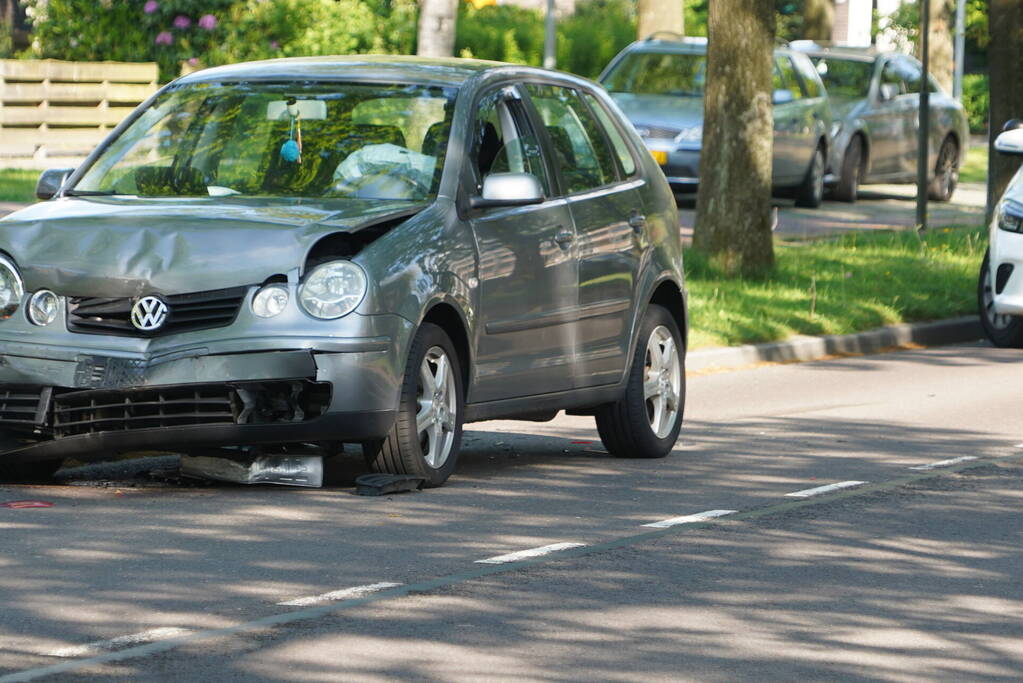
(805, 348)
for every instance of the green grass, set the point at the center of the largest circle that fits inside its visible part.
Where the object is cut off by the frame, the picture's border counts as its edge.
(974, 168)
(17, 185)
(857, 282)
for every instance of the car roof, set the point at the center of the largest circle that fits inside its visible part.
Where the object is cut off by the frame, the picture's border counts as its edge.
(859, 54)
(399, 68)
(665, 41)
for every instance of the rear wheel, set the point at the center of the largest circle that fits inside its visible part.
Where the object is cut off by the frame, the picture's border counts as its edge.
(852, 166)
(427, 433)
(946, 172)
(40, 471)
(811, 192)
(646, 421)
(1002, 330)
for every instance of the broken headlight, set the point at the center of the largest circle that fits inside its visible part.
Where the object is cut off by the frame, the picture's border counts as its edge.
(270, 301)
(11, 288)
(332, 290)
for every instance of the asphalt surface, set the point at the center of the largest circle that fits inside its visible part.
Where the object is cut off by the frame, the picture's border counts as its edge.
(912, 575)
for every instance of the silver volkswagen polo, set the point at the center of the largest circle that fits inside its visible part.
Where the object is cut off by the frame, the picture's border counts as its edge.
(306, 252)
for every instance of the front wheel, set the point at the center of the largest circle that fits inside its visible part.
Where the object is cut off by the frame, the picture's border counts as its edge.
(946, 172)
(427, 433)
(646, 421)
(811, 192)
(1002, 330)
(25, 472)
(852, 165)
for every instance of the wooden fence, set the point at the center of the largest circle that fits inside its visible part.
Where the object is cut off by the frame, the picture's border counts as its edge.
(54, 113)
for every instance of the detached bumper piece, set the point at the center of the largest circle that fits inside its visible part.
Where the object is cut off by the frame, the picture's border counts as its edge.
(152, 417)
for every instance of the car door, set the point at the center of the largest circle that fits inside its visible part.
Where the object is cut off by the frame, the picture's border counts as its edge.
(528, 272)
(909, 110)
(886, 122)
(788, 110)
(607, 209)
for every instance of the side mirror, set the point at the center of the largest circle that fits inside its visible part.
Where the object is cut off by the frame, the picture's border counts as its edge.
(1010, 142)
(508, 189)
(782, 96)
(888, 92)
(50, 181)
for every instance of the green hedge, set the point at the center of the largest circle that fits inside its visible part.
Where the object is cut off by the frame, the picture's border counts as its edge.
(976, 100)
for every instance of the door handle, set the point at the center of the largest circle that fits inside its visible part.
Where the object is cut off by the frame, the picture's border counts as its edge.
(564, 237)
(637, 221)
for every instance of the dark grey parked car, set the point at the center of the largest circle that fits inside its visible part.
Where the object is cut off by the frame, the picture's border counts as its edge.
(307, 252)
(658, 83)
(876, 100)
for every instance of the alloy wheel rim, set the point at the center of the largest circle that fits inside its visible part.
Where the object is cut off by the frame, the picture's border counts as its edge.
(662, 382)
(818, 176)
(436, 407)
(948, 168)
(997, 321)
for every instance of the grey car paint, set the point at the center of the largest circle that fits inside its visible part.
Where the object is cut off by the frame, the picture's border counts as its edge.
(888, 128)
(800, 126)
(424, 262)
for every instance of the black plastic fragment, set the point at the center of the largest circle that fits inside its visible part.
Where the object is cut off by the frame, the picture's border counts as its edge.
(382, 484)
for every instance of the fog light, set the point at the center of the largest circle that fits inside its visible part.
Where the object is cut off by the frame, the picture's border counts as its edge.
(42, 307)
(270, 301)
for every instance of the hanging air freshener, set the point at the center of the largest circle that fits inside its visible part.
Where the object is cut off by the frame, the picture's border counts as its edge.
(291, 150)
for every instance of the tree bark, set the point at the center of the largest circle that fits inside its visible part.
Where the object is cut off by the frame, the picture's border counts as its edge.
(733, 207)
(818, 19)
(437, 28)
(659, 15)
(1005, 54)
(941, 38)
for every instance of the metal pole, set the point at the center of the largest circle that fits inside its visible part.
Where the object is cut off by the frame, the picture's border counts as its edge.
(923, 139)
(550, 54)
(960, 50)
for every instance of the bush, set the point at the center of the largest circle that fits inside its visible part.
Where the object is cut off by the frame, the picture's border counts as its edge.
(597, 31)
(976, 99)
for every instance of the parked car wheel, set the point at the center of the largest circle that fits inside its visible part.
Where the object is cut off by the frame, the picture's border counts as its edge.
(25, 471)
(646, 421)
(946, 172)
(811, 192)
(1002, 330)
(427, 433)
(852, 166)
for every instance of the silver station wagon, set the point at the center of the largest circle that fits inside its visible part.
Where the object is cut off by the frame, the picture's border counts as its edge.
(301, 253)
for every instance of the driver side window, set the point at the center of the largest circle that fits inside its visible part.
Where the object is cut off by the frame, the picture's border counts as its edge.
(503, 143)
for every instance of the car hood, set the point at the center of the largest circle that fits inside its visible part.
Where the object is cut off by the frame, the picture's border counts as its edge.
(114, 247)
(670, 111)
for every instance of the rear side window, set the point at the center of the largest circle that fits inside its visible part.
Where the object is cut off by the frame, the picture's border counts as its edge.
(617, 141)
(785, 77)
(580, 151)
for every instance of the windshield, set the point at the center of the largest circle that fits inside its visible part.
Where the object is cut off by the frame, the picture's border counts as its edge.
(658, 73)
(845, 77)
(331, 140)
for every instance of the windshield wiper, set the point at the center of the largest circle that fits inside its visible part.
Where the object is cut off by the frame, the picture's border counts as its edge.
(90, 193)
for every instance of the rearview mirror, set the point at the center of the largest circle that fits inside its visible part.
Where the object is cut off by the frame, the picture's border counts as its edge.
(1010, 142)
(782, 96)
(888, 92)
(508, 189)
(282, 110)
(50, 181)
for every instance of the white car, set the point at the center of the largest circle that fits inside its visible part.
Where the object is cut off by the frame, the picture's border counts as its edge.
(1000, 288)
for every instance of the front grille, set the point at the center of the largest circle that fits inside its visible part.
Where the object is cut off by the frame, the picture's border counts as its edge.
(22, 405)
(186, 313)
(84, 412)
(657, 132)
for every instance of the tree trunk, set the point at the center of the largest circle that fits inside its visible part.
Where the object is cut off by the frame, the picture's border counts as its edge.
(733, 207)
(1005, 54)
(818, 19)
(437, 28)
(659, 15)
(942, 48)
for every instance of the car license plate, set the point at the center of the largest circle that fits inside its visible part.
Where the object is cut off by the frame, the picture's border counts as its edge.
(660, 156)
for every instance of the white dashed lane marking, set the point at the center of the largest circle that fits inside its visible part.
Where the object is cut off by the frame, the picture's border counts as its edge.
(807, 493)
(119, 643)
(343, 594)
(689, 519)
(944, 463)
(532, 552)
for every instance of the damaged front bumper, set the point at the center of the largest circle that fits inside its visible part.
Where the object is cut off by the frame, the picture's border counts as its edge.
(57, 401)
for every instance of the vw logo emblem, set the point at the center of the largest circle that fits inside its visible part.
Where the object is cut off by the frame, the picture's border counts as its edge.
(149, 313)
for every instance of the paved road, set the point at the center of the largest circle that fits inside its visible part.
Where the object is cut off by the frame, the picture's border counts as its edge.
(916, 581)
